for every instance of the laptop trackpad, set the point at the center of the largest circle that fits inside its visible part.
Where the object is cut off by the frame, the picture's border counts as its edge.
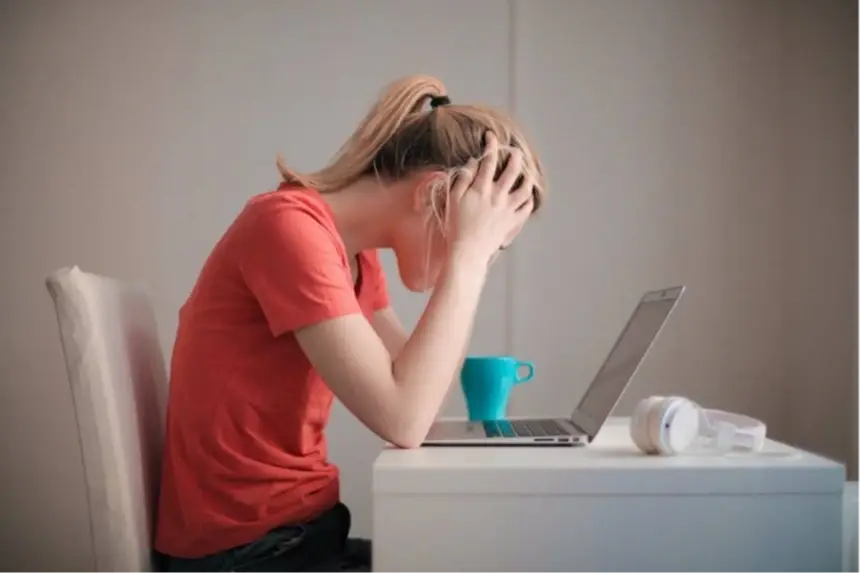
(453, 430)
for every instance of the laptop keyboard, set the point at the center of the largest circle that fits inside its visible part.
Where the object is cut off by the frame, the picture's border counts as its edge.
(523, 428)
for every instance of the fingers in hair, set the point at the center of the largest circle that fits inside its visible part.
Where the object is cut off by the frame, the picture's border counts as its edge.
(487, 168)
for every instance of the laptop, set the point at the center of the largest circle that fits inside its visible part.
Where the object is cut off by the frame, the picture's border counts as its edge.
(629, 351)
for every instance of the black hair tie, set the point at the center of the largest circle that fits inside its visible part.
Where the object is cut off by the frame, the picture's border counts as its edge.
(436, 101)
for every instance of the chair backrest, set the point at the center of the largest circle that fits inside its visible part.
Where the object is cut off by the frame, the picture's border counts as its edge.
(119, 383)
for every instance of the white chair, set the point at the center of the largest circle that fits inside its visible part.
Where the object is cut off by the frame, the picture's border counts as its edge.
(118, 379)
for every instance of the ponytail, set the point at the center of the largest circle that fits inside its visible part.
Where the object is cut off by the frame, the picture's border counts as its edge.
(400, 100)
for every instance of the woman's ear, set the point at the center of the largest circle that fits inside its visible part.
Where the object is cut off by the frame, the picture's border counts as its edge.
(428, 191)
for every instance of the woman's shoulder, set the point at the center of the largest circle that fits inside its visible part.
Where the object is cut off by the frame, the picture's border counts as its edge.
(286, 201)
(285, 217)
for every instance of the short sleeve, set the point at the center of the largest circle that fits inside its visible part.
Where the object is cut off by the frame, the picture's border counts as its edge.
(294, 265)
(379, 286)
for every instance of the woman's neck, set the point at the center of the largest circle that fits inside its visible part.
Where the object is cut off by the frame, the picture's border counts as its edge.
(364, 213)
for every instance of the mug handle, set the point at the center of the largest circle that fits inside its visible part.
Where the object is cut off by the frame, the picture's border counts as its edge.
(527, 377)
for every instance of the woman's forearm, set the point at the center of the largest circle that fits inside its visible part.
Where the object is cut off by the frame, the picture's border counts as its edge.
(428, 362)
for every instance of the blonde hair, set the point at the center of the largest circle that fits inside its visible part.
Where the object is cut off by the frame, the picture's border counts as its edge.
(401, 134)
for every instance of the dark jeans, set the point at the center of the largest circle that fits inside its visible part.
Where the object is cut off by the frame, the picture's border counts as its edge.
(319, 545)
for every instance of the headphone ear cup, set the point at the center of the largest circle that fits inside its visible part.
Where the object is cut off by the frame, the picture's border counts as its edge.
(674, 425)
(636, 426)
(681, 427)
(639, 424)
(655, 420)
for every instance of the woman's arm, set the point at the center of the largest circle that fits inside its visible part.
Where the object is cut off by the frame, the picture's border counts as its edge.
(398, 399)
(389, 328)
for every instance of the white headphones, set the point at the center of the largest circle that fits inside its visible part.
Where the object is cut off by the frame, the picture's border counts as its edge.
(670, 425)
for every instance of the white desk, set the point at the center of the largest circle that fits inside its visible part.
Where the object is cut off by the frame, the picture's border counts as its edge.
(605, 507)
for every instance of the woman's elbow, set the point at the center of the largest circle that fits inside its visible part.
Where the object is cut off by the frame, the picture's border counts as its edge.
(406, 442)
(404, 434)
(395, 421)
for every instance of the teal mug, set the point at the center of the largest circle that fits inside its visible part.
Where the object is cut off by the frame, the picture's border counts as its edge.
(487, 382)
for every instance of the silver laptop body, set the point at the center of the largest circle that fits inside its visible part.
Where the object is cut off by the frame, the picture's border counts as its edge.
(607, 387)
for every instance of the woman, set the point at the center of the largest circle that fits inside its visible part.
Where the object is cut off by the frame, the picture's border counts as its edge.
(291, 309)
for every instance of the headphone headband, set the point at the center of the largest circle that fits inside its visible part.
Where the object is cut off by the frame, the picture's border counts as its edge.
(729, 430)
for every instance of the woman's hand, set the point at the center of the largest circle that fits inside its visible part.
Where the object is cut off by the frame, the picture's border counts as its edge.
(484, 212)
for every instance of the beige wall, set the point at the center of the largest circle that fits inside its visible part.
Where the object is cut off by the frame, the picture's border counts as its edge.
(710, 143)
(855, 444)
(855, 447)
(820, 206)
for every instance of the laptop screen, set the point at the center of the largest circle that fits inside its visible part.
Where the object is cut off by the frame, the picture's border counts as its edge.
(624, 359)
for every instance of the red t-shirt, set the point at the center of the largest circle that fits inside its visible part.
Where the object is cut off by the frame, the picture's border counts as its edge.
(245, 449)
